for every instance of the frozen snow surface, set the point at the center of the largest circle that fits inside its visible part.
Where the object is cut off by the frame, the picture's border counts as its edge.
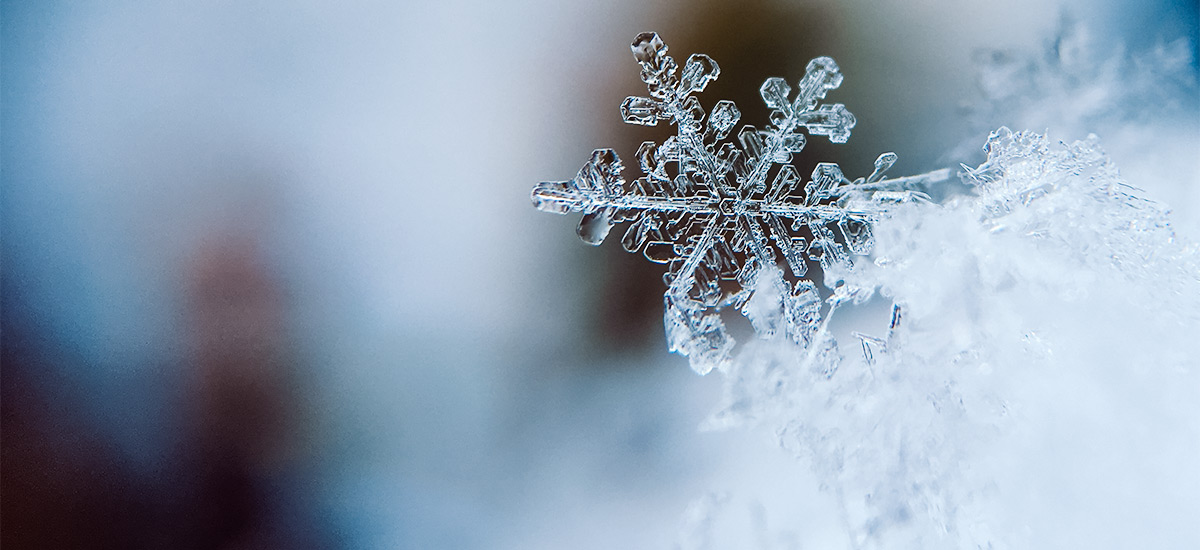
(1036, 385)
(1040, 387)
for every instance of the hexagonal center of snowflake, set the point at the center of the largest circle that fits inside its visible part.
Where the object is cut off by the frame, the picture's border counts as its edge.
(733, 206)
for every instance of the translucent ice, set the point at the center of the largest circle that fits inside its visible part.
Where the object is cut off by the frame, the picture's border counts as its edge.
(1037, 383)
(721, 214)
(1040, 355)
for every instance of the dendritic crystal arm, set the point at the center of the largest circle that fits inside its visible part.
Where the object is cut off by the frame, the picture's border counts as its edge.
(721, 213)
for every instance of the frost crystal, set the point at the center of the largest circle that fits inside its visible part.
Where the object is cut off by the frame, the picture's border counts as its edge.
(720, 212)
(1028, 184)
(1053, 290)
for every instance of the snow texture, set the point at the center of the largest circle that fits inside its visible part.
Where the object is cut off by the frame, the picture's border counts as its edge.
(1036, 386)
(1037, 372)
(720, 212)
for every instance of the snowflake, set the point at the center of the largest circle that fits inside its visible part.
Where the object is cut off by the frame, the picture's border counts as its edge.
(717, 212)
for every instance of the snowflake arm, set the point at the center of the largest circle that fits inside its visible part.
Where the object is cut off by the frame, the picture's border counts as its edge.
(721, 212)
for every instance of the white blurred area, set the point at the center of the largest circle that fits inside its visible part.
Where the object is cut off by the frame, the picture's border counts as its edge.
(373, 160)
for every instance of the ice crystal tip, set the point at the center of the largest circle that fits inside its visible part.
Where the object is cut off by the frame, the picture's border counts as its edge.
(721, 214)
(646, 46)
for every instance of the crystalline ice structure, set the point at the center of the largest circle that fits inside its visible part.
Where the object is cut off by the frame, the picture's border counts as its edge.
(1048, 313)
(719, 212)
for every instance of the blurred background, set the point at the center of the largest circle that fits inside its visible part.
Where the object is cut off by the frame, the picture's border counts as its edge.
(271, 276)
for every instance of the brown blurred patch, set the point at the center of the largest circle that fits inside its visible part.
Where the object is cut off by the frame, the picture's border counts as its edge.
(245, 409)
(240, 385)
(234, 475)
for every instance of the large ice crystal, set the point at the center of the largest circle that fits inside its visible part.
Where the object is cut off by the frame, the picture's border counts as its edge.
(719, 212)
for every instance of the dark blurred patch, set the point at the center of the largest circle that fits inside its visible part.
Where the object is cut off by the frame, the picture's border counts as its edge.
(61, 486)
(244, 420)
(235, 476)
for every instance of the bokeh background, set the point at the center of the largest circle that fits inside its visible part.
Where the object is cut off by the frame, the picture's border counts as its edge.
(271, 277)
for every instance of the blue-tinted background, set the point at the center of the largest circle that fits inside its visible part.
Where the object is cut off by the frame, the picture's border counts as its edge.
(271, 277)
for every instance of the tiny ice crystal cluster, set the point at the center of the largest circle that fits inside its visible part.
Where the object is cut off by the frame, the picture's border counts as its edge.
(717, 212)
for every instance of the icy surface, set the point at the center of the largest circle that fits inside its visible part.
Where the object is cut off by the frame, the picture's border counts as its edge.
(1035, 385)
(1143, 100)
(1039, 368)
(720, 212)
